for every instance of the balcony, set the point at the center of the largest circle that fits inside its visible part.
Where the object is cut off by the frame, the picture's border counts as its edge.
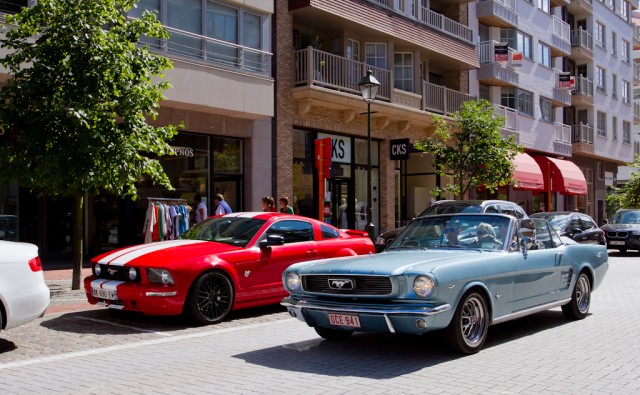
(492, 72)
(561, 98)
(559, 3)
(510, 122)
(636, 112)
(562, 139)
(322, 77)
(579, 7)
(432, 19)
(636, 36)
(581, 45)
(636, 73)
(500, 13)
(561, 40)
(212, 52)
(583, 92)
(582, 139)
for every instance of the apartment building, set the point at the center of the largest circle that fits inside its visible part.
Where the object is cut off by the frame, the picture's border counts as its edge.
(222, 90)
(578, 131)
(421, 53)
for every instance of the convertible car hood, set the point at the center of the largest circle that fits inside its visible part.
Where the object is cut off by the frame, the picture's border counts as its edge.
(392, 263)
(162, 253)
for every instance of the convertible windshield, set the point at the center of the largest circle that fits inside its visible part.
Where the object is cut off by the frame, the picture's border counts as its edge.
(626, 217)
(557, 221)
(457, 231)
(234, 231)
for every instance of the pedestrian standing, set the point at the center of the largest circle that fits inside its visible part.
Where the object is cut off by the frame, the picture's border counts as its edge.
(201, 209)
(284, 205)
(268, 204)
(222, 207)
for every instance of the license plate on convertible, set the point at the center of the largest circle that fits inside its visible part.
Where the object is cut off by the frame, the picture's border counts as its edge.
(344, 320)
(102, 293)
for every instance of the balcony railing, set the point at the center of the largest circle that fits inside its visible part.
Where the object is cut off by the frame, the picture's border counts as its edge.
(582, 38)
(502, 9)
(562, 139)
(636, 72)
(211, 51)
(581, 133)
(440, 99)
(317, 68)
(561, 29)
(432, 19)
(486, 53)
(583, 87)
(636, 33)
(510, 114)
(561, 132)
(636, 108)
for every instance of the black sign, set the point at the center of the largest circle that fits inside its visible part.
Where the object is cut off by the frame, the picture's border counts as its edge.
(501, 53)
(400, 149)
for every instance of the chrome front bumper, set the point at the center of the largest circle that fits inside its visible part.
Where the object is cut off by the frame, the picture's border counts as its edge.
(303, 304)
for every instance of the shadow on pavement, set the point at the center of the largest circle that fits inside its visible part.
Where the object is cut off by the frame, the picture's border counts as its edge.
(114, 322)
(6, 346)
(384, 356)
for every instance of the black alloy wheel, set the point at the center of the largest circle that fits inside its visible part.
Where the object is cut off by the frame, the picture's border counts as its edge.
(210, 298)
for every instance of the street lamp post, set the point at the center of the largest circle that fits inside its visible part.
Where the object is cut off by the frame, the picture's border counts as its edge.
(369, 88)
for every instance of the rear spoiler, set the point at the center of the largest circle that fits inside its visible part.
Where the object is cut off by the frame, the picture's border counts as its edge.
(353, 232)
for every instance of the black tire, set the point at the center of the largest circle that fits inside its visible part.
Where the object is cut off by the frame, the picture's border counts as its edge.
(468, 328)
(210, 299)
(578, 308)
(332, 334)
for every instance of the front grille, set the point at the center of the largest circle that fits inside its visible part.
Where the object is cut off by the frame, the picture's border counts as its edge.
(119, 273)
(351, 285)
(617, 235)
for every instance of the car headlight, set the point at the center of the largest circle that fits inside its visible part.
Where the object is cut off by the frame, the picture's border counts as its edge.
(424, 286)
(133, 273)
(160, 276)
(97, 270)
(292, 281)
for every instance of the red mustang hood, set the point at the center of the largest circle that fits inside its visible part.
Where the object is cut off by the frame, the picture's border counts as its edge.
(162, 253)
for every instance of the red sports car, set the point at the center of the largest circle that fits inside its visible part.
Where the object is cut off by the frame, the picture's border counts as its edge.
(224, 263)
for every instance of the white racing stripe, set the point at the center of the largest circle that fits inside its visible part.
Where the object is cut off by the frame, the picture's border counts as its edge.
(130, 255)
(111, 349)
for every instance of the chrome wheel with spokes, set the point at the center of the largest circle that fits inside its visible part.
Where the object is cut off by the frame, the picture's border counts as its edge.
(468, 329)
(578, 308)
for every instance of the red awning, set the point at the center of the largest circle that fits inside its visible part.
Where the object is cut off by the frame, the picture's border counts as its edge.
(527, 173)
(566, 177)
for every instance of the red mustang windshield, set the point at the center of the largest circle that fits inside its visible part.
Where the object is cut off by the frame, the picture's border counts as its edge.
(234, 231)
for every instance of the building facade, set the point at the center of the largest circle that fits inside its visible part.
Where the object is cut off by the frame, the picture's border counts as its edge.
(222, 91)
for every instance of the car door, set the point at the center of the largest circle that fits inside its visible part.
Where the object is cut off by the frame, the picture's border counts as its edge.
(541, 270)
(299, 245)
(592, 233)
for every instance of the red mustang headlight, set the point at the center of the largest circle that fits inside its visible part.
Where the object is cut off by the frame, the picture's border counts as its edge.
(159, 276)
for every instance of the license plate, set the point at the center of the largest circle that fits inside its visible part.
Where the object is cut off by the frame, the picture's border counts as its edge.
(616, 243)
(102, 293)
(344, 320)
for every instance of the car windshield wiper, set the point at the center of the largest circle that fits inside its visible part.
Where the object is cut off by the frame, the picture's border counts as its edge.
(452, 246)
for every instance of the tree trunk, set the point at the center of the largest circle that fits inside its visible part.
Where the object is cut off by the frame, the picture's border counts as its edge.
(77, 240)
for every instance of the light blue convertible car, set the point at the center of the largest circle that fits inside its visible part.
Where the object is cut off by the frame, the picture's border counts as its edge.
(459, 272)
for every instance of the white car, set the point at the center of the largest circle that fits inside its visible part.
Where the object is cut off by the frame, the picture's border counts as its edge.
(24, 295)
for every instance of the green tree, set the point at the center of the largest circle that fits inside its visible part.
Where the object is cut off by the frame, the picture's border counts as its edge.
(627, 195)
(76, 104)
(471, 149)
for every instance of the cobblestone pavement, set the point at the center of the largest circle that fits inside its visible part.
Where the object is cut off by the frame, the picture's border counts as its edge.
(263, 351)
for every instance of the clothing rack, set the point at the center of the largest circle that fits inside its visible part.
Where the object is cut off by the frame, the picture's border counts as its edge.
(169, 200)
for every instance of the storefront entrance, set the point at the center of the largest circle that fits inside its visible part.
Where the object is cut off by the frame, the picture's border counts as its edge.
(342, 203)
